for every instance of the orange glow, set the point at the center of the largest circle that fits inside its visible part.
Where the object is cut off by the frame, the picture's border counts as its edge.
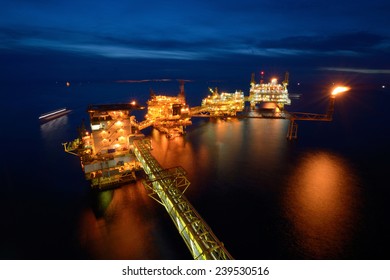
(320, 204)
(126, 230)
(339, 89)
(133, 102)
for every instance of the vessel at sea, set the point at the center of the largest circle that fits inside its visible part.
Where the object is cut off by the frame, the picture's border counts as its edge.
(53, 114)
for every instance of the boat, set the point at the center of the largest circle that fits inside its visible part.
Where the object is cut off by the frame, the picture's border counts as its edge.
(53, 114)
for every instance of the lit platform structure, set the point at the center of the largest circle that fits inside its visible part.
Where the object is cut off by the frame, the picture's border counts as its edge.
(269, 95)
(168, 114)
(167, 186)
(114, 149)
(299, 116)
(220, 104)
(105, 154)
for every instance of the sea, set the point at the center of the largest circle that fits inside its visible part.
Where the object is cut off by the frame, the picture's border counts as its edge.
(322, 196)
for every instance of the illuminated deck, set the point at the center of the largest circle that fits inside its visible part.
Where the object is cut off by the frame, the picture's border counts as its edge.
(167, 186)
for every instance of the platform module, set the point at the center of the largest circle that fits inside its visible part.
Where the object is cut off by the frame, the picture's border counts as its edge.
(168, 114)
(105, 151)
(222, 104)
(270, 95)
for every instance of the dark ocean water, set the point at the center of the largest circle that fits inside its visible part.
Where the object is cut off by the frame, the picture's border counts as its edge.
(324, 196)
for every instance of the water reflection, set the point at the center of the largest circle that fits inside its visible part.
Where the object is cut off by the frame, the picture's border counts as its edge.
(321, 205)
(53, 127)
(125, 227)
(267, 139)
(176, 152)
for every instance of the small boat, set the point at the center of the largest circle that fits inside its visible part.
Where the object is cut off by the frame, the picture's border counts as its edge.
(54, 114)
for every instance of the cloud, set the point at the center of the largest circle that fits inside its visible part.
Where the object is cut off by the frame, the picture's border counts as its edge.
(346, 43)
(111, 51)
(357, 70)
(353, 46)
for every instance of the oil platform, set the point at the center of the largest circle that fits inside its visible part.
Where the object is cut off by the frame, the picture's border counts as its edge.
(105, 152)
(168, 114)
(222, 104)
(115, 149)
(269, 95)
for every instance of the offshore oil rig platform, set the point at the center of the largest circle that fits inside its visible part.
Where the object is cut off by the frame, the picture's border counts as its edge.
(168, 114)
(270, 95)
(105, 151)
(115, 149)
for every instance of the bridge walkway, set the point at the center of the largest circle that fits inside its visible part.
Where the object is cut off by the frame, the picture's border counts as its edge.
(167, 186)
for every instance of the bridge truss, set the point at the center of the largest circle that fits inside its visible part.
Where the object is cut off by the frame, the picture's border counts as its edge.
(167, 186)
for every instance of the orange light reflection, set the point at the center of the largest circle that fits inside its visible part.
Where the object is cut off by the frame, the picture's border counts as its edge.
(127, 228)
(321, 205)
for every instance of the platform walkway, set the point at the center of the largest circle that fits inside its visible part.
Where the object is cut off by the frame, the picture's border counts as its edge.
(167, 186)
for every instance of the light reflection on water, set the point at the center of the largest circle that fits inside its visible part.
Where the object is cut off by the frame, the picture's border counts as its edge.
(240, 150)
(321, 204)
(122, 225)
(53, 129)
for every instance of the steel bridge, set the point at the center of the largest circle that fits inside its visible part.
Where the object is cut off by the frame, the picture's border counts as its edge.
(167, 186)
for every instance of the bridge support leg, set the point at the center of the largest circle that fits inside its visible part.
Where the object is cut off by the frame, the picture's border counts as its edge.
(292, 130)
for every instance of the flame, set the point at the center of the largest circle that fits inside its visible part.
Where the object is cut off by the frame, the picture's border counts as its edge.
(339, 89)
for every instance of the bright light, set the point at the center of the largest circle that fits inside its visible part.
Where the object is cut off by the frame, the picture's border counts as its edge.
(274, 80)
(133, 102)
(337, 90)
(52, 113)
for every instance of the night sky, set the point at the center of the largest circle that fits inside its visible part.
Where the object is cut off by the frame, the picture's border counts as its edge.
(115, 40)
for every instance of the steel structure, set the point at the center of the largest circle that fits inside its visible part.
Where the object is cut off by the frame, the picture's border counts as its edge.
(105, 154)
(271, 95)
(221, 104)
(167, 186)
(168, 114)
(292, 132)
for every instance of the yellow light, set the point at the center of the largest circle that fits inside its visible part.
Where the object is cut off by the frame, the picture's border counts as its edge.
(340, 89)
(133, 102)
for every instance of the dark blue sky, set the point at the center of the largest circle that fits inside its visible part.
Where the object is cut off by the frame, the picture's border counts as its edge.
(112, 40)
